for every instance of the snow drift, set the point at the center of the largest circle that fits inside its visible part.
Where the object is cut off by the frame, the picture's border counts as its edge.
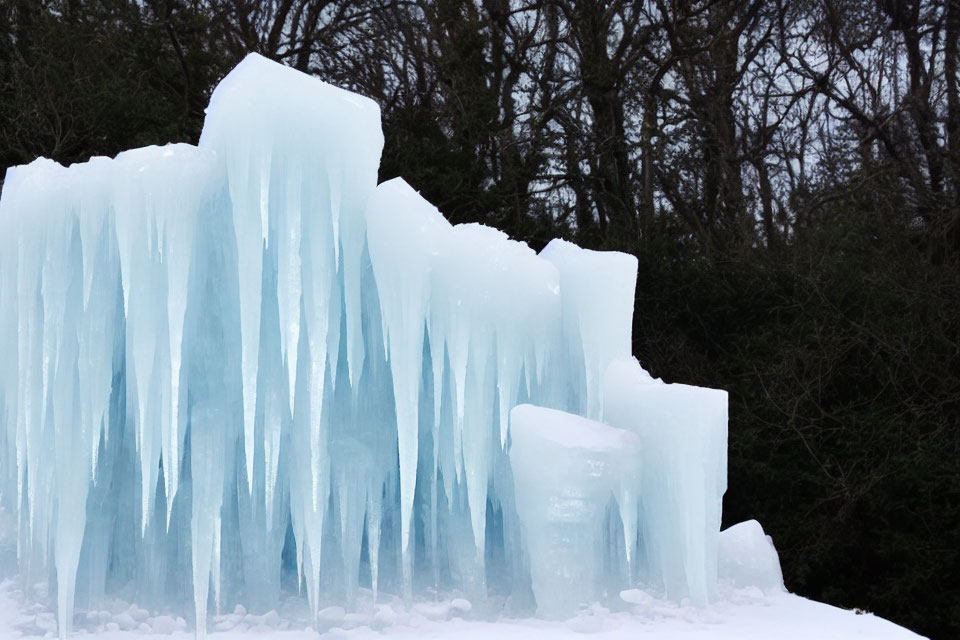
(244, 368)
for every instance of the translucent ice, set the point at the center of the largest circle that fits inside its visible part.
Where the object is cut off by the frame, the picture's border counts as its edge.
(747, 557)
(683, 430)
(242, 369)
(567, 471)
(598, 290)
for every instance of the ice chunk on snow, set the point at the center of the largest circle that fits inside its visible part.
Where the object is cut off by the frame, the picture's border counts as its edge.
(747, 558)
(683, 430)
(567, 469)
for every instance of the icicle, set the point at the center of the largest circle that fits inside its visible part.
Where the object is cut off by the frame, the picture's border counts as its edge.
(404, 231)
(289, 282)
(247, 161)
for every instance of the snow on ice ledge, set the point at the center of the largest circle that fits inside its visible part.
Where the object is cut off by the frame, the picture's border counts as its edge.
(240, 371)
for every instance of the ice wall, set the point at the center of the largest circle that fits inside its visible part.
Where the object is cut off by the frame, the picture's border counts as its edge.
(242, 369)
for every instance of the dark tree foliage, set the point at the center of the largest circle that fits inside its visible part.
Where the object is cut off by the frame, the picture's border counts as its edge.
(787, 173)
(94, 78)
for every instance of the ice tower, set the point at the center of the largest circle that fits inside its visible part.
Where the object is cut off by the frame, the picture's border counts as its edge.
(244, 368)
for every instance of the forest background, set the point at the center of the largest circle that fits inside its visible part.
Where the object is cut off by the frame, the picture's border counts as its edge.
(786, 172)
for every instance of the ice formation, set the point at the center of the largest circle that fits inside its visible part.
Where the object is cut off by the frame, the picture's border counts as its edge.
(747, 558)
(243, 368)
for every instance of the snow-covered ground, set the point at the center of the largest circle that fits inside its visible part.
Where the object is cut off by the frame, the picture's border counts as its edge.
(739, 614)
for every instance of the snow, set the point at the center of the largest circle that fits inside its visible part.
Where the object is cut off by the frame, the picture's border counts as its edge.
(241, 376)
(740, 614)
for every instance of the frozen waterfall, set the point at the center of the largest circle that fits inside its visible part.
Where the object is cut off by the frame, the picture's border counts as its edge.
(244, 369)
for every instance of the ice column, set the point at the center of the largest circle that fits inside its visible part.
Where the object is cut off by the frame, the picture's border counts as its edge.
(159, 196)
(490, 307)
(597, 291)
(301, 159)
(567, 469)
(404, 233)
(63, 330)
(683, 431)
